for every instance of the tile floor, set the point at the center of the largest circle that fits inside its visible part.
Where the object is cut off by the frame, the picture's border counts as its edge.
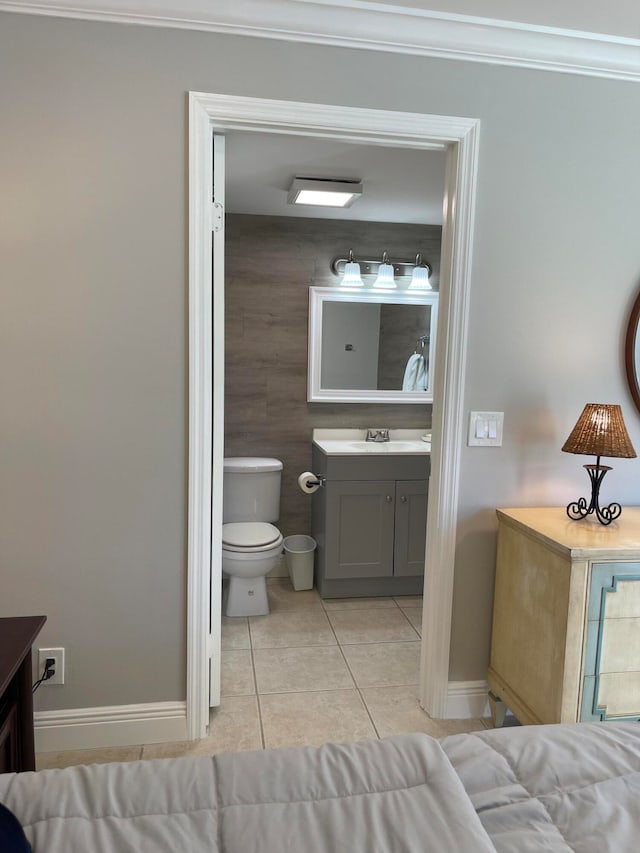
(311, 671)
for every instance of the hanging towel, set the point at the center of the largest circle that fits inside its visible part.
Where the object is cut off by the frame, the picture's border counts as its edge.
(415, 374)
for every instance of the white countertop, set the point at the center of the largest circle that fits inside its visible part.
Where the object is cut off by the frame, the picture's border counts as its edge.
(351, 442)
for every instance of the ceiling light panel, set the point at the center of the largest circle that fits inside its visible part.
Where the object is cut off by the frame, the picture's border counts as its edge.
(323, 193)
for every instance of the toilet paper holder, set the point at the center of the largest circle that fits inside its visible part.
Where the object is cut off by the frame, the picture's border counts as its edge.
(310, 482)
(319, 481)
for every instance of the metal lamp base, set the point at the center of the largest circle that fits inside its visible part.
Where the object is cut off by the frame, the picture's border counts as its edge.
(579, 509)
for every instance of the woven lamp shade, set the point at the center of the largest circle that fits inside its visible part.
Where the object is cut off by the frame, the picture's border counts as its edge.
(600, 431)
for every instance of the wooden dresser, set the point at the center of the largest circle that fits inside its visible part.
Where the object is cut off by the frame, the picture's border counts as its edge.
(565, 645)
(17, 635)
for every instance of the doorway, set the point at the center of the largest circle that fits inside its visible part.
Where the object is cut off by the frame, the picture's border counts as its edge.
(214, 114)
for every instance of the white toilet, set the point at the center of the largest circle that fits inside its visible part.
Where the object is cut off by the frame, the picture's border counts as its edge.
(251, 545)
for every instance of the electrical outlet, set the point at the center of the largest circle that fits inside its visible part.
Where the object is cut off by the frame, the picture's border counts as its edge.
(58, 656)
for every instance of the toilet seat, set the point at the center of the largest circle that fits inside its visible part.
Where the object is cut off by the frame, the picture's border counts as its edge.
(250, 536)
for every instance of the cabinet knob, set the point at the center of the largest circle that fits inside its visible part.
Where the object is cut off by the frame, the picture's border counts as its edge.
(403, 499)
(389, 499)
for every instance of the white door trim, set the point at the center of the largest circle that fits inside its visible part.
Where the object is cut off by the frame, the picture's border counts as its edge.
(210, 113)
(200, 419)
(217, 415)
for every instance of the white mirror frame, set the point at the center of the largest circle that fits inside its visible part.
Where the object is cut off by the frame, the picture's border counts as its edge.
(317, 297)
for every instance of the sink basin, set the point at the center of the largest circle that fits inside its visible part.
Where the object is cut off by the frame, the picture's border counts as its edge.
(351, 442)
(347, 447)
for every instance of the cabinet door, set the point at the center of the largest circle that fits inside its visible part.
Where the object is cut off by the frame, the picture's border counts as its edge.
(410, 527)
(359, 529)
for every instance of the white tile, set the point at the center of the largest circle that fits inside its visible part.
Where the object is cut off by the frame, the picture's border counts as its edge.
(408, 600)
(396, 710)
(291, 629)
(235, 633)
(311, 719)
(236, 673)
(283, 597)
(71, 758)
(361, 626)
(414, 615)
(331, 604)
(384, 664)
(234, 726)
(295, 670)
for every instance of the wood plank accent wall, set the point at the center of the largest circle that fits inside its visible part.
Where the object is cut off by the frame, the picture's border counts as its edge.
(271, 261)
(400, 328)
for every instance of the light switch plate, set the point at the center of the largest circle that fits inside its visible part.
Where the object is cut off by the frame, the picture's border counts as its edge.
(485, 429)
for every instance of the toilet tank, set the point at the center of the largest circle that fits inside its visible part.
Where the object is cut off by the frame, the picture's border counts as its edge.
(251, 489)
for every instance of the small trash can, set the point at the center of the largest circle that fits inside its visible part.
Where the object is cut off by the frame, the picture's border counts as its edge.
(299, 555)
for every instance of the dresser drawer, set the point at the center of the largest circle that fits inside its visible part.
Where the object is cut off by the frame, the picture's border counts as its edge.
(611, 683)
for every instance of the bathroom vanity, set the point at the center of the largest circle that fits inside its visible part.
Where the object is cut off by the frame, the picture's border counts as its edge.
(369, 518)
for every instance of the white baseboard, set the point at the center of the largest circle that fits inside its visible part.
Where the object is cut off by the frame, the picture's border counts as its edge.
(159, 722)
(116, 725)
(467, 699)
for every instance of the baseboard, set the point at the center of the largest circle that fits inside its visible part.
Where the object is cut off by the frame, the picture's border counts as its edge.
(116, 725)
(467, 699)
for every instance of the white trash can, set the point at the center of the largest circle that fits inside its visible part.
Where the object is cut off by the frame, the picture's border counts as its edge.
(299, 551)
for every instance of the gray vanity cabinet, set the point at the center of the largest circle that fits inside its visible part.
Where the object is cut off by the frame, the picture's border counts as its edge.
(360, 517)
(369, 521)
(410, 529)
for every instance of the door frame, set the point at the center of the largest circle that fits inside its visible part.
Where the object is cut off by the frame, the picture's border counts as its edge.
(212, 113)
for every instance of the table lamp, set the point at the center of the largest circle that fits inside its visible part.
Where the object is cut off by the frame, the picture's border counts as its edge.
(600, 431)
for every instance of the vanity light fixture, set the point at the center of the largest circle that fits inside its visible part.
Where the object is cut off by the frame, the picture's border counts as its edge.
(402, 269)
(351, 277)
(600, 431)
(385, 274)
(322, 192)
(420, 276)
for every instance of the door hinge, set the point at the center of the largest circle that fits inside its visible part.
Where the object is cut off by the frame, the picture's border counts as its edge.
(217, 211)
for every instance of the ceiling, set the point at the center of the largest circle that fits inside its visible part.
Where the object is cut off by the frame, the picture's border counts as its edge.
(399, 185)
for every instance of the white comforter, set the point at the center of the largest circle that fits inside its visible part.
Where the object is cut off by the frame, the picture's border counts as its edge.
(395, 796)
(537, 788)
(554, 788)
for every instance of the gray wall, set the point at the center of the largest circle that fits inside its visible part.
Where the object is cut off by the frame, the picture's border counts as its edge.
(271, 261)
(93, 328)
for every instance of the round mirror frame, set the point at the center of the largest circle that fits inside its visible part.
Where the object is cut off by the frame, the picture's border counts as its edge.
(630, 352)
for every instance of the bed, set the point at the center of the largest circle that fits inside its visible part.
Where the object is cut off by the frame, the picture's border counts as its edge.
(536, 788)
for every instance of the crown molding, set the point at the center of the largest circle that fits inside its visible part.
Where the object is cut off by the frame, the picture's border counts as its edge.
(361, 24)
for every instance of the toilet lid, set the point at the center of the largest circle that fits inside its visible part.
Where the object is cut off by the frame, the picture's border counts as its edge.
(249, 534)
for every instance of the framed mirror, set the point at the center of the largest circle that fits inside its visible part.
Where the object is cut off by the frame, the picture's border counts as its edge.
(368, 346)
(632, 353)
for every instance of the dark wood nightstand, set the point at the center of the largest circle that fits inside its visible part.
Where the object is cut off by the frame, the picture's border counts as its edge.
(17, 635)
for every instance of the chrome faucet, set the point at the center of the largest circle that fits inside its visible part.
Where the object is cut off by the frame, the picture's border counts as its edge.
(377, 435)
